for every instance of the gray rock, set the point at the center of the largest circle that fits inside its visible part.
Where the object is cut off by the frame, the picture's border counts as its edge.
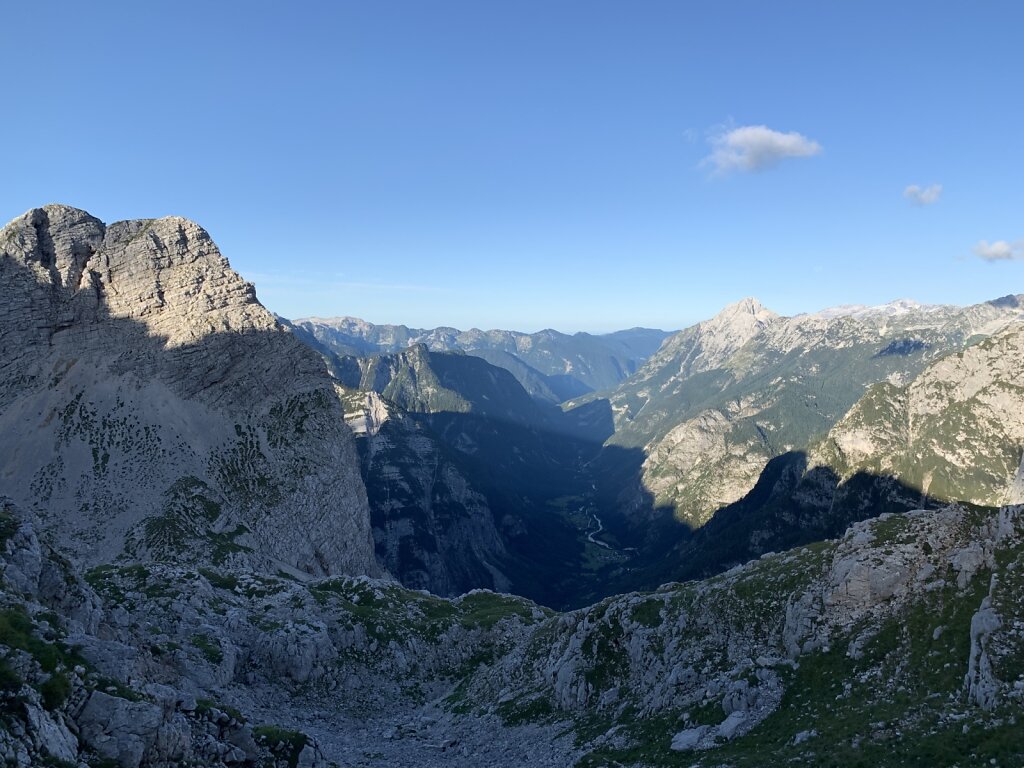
(120, 730)
(52, 734)
(688, 739)
(980, 681)
(803, 736)
(733, 723)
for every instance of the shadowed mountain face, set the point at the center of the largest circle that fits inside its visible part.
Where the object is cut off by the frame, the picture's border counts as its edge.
(551, 366)
(473, 483)
(152, 408)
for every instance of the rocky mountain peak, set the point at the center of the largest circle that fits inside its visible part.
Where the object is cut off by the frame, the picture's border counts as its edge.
(710, 343)
(743, 315)
(166, 274)
(1010, 301)
(749, 304)
(150, 400)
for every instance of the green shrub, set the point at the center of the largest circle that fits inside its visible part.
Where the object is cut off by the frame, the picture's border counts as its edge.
(55, 691)
(8, 526)
(209, 647)
(219, 580)
(10, 681)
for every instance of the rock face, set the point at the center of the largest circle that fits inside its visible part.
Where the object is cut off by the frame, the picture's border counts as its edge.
(153, 408)
(955, 432)
(432, 528)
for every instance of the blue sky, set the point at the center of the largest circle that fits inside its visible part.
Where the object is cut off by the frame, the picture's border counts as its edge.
(579, 165)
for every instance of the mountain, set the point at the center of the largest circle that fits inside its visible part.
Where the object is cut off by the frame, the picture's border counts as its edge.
(153, 409)
(433, 382)
(954, 433)
(551, 366)
(719, 400)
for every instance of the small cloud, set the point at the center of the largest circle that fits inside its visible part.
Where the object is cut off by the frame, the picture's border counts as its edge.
(923, 195)
(756, 148)
(1000, 250)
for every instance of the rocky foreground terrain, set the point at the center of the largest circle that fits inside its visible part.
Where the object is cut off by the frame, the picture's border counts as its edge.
(900, 644)
(187, 574)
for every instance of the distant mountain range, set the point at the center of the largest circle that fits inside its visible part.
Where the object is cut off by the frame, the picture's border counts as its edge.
(550, 365)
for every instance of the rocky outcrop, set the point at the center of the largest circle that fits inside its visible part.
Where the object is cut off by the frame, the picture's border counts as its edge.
(980, 682)
(174, 665)
(74, 682)
(717, 656)
(956, 431)
(153, 408)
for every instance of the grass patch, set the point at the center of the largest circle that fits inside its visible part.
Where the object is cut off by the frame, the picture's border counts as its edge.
(532, 708)
(647, 613)
(221, 581)
(282, 742)
(206, 706)
(485, 609)
(116, 688)
(208, 647)
(16, 628)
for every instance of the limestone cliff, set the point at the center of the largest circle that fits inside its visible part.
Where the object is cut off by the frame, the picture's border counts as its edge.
(432, 528)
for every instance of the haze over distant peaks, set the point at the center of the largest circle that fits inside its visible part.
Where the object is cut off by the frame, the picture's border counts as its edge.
(551, 365)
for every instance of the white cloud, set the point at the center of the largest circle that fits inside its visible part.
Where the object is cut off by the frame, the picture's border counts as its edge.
(923, 195)
(756, 148)
(1000, 250)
